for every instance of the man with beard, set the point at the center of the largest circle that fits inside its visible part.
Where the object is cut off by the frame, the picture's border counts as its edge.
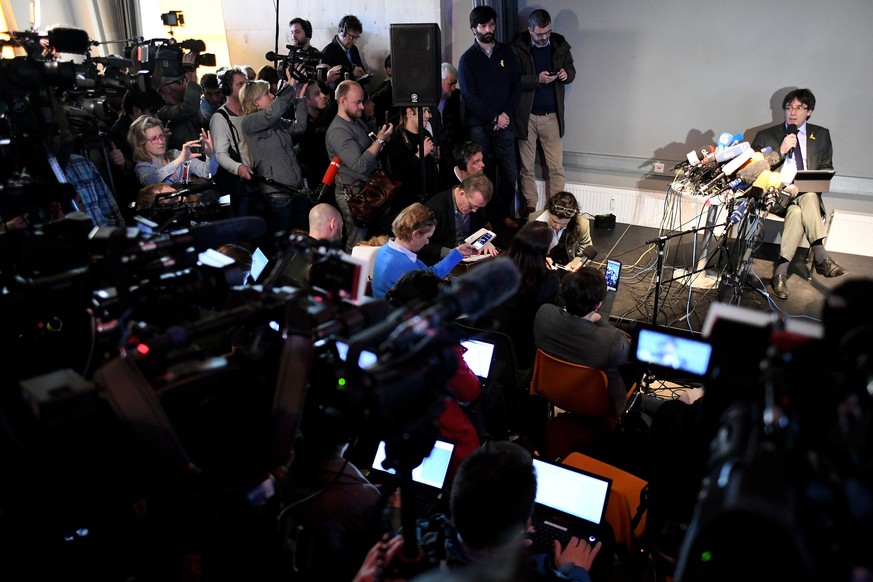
(489, 78)
(347, 138)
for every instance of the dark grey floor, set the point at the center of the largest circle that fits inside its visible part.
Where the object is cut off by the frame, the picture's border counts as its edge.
(686, 307)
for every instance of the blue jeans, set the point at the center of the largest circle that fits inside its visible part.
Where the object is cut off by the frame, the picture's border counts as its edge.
(501, 165)
(285, 211)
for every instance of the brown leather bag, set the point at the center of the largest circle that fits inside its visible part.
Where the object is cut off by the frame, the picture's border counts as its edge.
(372, 196)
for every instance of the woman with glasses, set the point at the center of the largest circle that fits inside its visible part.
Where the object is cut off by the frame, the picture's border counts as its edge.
(571, 232)
(155, 163)
(412, 229)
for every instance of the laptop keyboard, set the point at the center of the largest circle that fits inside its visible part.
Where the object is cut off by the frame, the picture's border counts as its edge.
(545, 534)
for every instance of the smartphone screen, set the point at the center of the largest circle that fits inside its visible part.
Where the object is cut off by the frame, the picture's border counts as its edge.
(613, 273)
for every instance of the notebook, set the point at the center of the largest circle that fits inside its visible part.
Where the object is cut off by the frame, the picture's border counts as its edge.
(429, 478)
(479, 356)
(569, 502)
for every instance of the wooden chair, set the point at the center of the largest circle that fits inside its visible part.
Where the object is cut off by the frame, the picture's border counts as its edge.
(581, 393)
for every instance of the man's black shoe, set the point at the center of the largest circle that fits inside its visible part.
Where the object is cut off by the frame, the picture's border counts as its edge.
(829, 268)
(780, 286)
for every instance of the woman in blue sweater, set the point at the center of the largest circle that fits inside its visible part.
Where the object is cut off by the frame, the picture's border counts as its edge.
(412, 229)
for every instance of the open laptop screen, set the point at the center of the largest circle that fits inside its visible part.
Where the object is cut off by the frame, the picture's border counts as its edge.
(571, 491)
(432, 471)
(478, 356)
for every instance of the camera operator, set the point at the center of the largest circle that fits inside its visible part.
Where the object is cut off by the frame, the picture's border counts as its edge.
(301, 39)
(181, 94)
(270, 141)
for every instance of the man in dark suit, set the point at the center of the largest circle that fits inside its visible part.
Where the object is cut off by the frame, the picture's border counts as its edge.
(809, 147)
(343, 49)
(457, 216)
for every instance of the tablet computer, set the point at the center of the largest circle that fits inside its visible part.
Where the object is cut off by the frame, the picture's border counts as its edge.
(814, 180)
(480, 238)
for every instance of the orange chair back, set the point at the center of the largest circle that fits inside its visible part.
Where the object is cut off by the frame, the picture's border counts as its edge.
(572, 387)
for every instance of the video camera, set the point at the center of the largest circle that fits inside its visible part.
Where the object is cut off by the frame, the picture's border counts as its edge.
(312, 61)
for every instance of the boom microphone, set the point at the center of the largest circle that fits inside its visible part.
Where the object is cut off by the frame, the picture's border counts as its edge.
(472, 295)
(207, 236)
(271, 56)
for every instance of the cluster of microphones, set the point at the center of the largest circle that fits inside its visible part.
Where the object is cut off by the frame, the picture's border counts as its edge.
(733, 169)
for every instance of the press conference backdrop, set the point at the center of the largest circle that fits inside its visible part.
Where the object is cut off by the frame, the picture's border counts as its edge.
(656, 79)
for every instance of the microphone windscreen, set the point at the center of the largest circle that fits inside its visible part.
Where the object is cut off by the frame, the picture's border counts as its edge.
(66, 39)
(590, 252)
(750, 173)
(775, 180)
(484, 287)
(330, 174)
(763, 180)
(792, 128)
(772, 158)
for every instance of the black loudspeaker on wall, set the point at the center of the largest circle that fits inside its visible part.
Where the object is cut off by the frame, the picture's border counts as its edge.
(415, 65)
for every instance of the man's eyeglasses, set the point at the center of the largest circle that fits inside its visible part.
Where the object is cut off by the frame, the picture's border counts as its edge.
(796, 109)
(544, 34)
(157, 139)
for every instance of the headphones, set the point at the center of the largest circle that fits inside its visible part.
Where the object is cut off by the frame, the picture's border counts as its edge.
(226, 81)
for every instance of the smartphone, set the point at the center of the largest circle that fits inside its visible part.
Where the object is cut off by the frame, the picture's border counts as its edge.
(613, 274)
(197, 149)
(480, 238)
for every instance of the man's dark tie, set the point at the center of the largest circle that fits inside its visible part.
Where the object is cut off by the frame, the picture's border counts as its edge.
(798, 156)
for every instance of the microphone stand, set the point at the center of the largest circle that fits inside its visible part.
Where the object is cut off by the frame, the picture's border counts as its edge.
(661, 241)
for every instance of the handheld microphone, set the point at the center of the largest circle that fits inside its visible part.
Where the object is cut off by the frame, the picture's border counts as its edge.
(694, 157)
(791, 130)
(737, 138)
(329, 177)
(724, 141)
(590, 253)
